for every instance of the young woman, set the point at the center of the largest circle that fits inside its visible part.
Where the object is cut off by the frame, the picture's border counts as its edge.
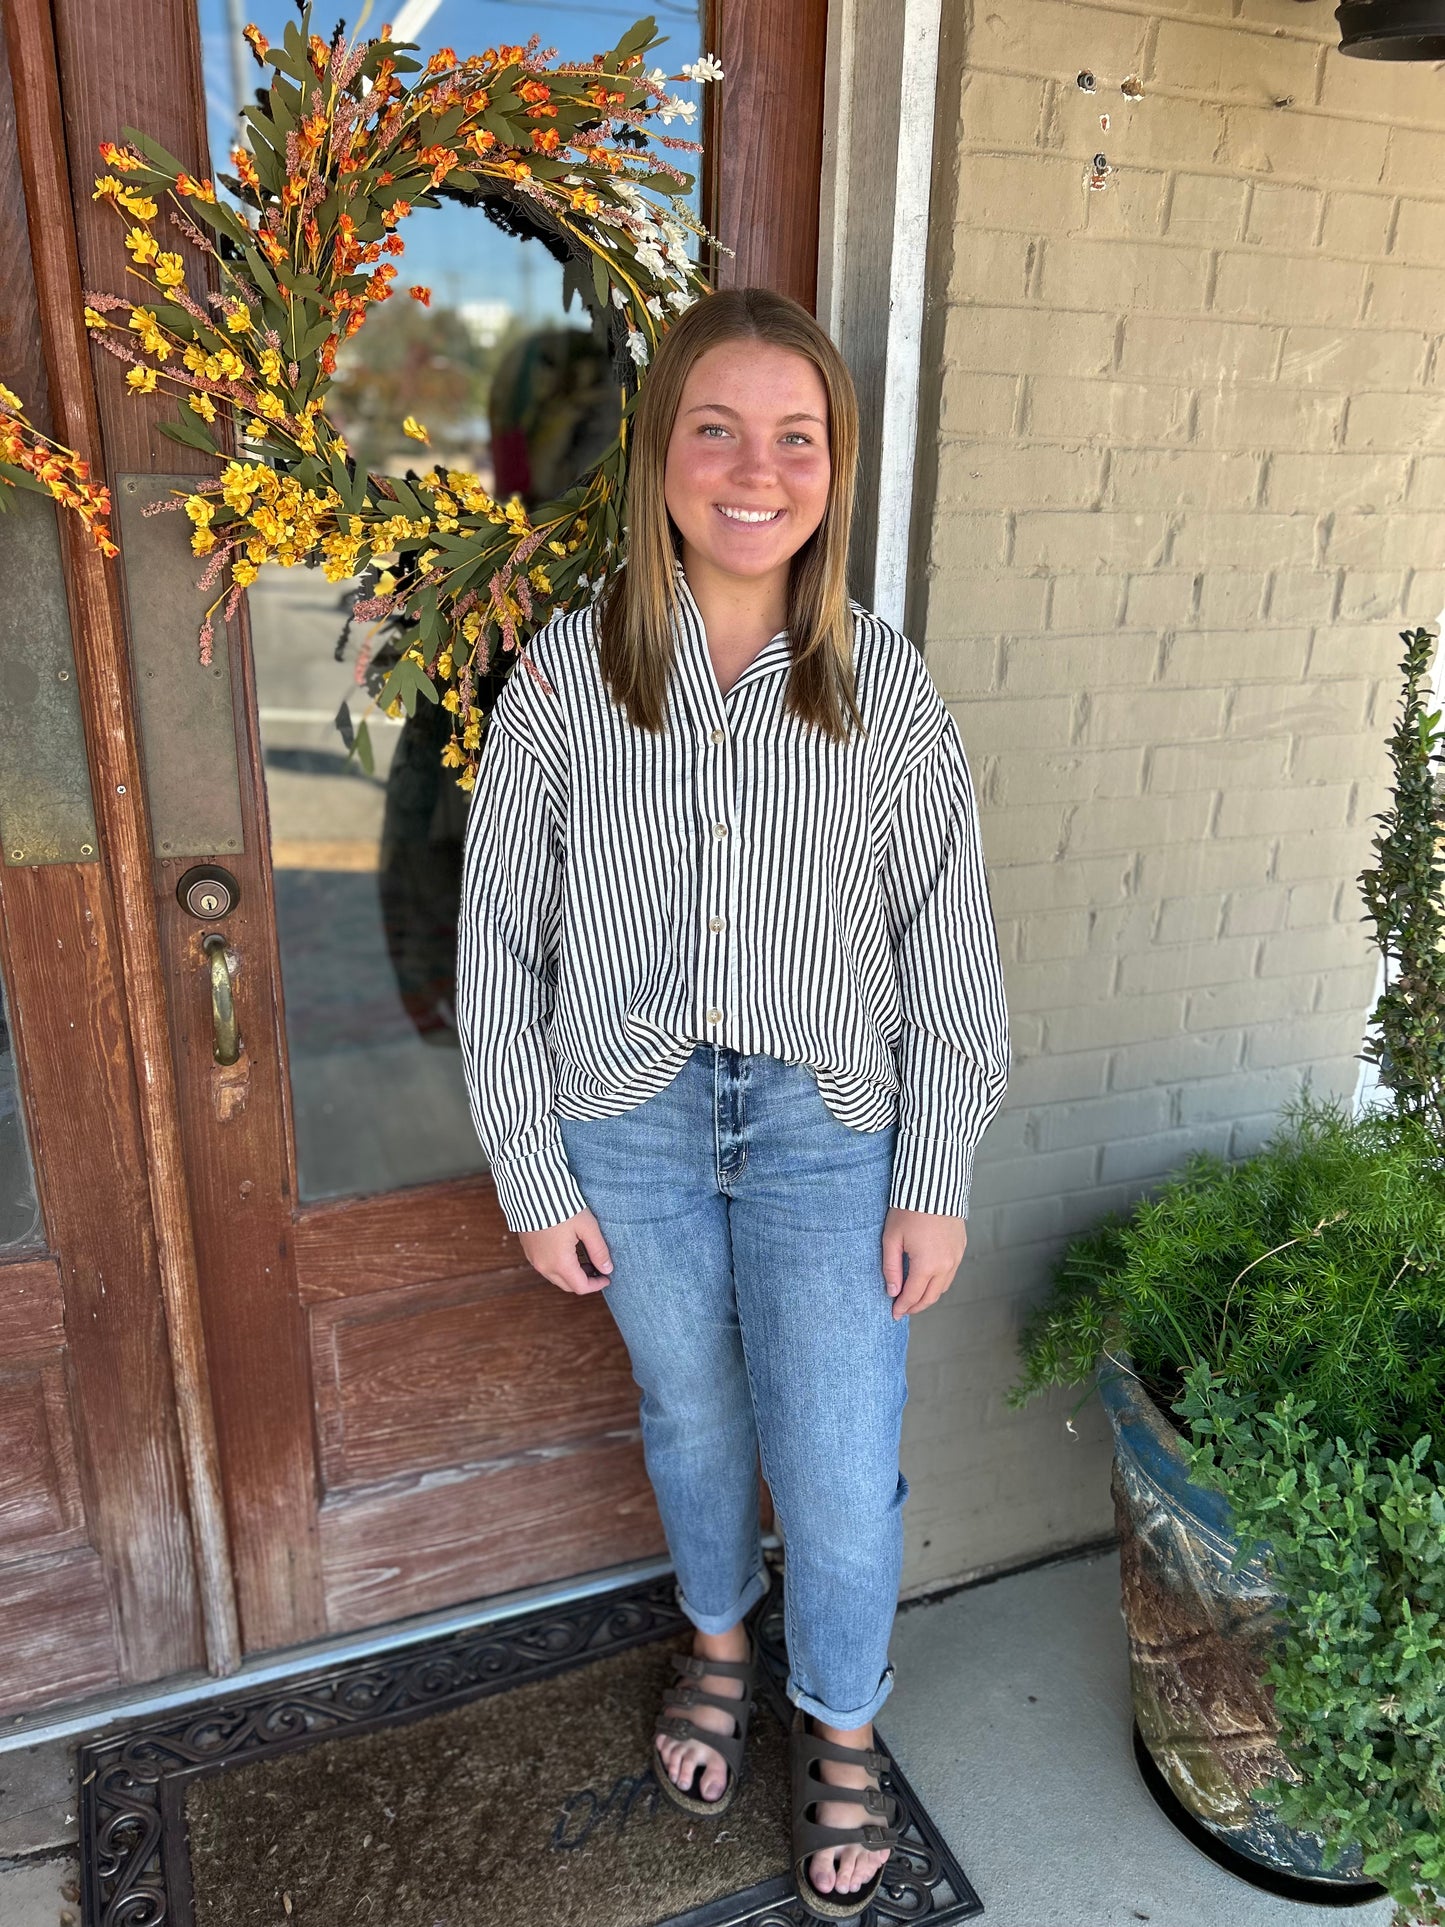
(733, 1024)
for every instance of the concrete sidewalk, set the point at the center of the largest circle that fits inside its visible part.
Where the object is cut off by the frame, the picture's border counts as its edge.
(1011, 1718)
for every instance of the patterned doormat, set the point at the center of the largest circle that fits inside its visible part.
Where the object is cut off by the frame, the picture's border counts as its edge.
(497, 1778)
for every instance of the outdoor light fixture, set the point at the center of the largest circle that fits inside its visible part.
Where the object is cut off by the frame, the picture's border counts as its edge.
(1392, 29)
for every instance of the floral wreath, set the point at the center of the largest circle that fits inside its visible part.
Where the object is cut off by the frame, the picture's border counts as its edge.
(339, 149)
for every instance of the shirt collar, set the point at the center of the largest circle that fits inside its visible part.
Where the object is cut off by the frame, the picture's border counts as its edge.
(690, 639)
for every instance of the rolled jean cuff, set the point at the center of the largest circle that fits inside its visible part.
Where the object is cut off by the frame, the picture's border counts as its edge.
(751, 1593)
(849, 1719)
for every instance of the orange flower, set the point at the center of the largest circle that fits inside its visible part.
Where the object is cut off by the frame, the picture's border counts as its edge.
(120, 157)
(442, 61)
(421, 294)
(197, 190)
(256, 41)
(319, 52)
(246, 169)
(534, 90)
(545, 139)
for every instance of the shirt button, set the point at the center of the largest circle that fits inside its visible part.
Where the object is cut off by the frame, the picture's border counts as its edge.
(714, 923)
(714, 1017)
(719, 735)
(720, 829)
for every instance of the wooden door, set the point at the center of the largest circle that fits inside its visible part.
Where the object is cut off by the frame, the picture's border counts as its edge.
(99, 1560)
(406, 1416)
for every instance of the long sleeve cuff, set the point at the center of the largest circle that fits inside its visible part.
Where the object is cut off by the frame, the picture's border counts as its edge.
(932, 1174)
(535, 1187)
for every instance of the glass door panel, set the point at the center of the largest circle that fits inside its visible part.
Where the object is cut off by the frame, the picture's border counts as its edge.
(20, 1226)
(517, 389)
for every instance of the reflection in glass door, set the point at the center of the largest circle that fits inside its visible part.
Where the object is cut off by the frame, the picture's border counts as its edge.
(516, 389)
(20, 1227)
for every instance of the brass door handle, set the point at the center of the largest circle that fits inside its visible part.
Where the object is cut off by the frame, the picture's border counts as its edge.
(223, 1004)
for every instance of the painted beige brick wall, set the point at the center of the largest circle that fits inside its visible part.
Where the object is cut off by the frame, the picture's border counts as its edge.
(1184, 467)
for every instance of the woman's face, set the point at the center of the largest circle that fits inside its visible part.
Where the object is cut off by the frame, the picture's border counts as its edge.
(748, 471)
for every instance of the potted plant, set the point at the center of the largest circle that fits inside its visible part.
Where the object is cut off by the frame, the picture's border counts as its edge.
(1268, 1337)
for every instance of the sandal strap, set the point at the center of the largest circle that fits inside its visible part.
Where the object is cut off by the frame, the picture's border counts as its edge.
(729, 1745)
(694, 1666)
(812, 1747)
(810, 1837)
(694, 1696)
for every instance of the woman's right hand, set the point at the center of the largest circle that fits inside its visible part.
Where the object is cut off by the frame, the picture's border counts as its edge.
(554, 1252)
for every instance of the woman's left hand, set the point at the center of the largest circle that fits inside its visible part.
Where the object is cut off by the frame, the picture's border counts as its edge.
(934, 1244)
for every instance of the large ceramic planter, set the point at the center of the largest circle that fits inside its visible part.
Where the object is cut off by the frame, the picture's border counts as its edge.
(1200, 1636)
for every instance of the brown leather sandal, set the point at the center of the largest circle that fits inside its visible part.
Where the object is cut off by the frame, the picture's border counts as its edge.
(810, 1836)
(676, 1726)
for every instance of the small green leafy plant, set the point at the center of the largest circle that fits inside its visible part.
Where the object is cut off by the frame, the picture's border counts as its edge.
(1288, 1312)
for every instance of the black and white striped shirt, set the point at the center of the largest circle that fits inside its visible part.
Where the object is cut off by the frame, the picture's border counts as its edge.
(738, 880)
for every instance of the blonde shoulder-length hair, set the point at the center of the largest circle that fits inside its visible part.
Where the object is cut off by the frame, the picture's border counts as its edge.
(637, 609)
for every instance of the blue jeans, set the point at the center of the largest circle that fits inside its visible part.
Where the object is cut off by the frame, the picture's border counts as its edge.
(745, 1226)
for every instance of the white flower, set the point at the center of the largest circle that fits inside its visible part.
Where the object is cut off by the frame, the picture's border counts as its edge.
(619, 299)
(673, 107)
(681, 299)
(625, 191)
(651, 262)
(654, 307)
(637, 347)
(656, 80)
(705, 69)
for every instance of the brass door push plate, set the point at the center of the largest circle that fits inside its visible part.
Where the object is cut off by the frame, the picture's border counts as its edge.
(187, 726)
(47, 814)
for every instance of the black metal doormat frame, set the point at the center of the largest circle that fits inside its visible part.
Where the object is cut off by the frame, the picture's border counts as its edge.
(134, 1859)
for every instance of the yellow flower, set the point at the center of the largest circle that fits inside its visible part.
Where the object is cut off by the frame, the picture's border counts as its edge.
(238, 319)
(199, 509)
(452, 756)
(202, 540)
(143, 247)
(270, 365)
(107, 188)
(203, 406)
(9, 398)
(394, 708)
(451, 700)
(385, 582)
(427, 557)
(540, 580)
(170, 271)
(243, 572)
(142, 380)
(444, 664)
(557, 548)
(467, 781)
(472, 735)
(411, 426)
(194, 358)
(271, 406)
(94, 320)
(136, 203)
(151, 338)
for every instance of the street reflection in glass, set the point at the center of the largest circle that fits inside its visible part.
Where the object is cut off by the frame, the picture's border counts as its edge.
(20, 1226)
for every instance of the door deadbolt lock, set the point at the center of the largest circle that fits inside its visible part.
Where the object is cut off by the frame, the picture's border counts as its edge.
(208, 892)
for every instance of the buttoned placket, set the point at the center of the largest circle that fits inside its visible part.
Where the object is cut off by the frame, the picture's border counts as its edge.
(718, 990)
